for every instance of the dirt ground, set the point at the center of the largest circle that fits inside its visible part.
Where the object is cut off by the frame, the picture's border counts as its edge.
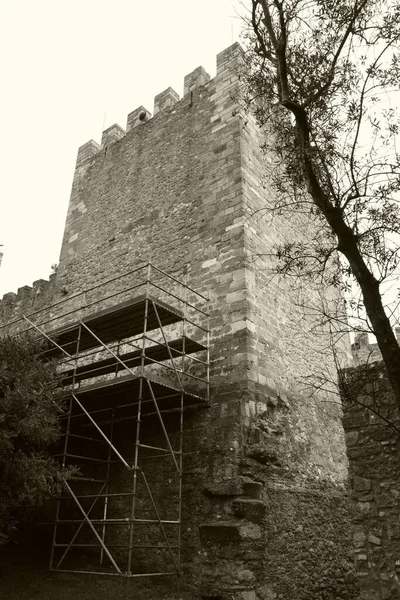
(24, 575)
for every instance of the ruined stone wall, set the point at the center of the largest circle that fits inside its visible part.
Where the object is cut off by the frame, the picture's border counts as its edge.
(264, 507)
(373, 448)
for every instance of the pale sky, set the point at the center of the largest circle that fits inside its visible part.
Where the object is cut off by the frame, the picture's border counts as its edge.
(69, 70)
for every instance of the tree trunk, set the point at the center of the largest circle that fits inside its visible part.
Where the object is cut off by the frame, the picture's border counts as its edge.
(347, 241)
(347, 245)
(385, 337)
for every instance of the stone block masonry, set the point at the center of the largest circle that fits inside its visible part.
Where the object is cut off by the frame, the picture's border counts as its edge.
(265, 504)
(371, 422)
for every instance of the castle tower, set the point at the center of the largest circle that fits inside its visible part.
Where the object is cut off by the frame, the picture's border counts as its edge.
(264, 505)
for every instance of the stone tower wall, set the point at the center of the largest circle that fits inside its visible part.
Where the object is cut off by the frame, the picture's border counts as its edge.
(265, 466)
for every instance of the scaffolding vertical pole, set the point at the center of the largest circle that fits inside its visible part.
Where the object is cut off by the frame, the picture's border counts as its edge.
(54, 541)
(180, 474)
(208, 348)
(118, 353)
(135, 472)
(107, 490)
(65, 449)
(138, 423)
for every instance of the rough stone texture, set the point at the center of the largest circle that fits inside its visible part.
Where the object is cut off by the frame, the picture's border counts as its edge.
(183, 190)
(373, 448)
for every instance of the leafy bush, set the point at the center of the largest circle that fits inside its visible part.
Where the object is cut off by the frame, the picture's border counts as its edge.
(30, 404)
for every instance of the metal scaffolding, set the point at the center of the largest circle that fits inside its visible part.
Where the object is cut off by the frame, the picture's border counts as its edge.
(129, 369)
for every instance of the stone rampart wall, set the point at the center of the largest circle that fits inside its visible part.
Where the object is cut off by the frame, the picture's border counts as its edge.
(372, 425)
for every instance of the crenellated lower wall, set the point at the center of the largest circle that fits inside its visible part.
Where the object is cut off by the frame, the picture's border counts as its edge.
(365, 352)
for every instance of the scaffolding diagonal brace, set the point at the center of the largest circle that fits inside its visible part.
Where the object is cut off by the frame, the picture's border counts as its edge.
(108, 349)
(92, 527)
(113, 448)
(78, 530)
(162, 425)
(166, 344)
(46, 336)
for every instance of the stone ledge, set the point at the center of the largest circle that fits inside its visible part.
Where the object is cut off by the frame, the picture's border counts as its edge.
(239, 486)
(225, 532)
(220, 531)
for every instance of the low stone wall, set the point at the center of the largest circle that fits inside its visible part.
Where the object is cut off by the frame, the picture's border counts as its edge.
(372, 426)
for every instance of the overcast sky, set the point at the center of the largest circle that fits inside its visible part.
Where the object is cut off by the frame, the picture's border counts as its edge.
(69, 70)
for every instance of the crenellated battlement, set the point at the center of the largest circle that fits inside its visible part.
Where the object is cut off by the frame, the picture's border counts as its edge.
(365, 352)
(163, 101)
(28, 299)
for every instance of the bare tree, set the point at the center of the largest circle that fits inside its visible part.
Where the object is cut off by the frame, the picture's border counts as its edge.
(319, 74)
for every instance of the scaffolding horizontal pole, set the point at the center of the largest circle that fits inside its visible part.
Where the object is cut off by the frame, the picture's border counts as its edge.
(117, 521)
(127, 547)
(179, 353)
(135, 520)
(203, 404)
(100, 460)
(169, 573)
(90, 479)
(105, 495)
(131, 404)
(158, 448)
(179, 299)
(154, 268)
(166, 454)
(87, 438)
(93, 412)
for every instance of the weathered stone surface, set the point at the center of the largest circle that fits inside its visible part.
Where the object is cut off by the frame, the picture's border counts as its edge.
(250, 509)
(361, 484)
(237, 486)
(221, 532)
(250, 531)
(374, 478)
(264, 454)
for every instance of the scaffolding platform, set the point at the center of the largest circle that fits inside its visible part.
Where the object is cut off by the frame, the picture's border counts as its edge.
(115, 323)
(143, 352)
(123, 392)
(156, 353)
